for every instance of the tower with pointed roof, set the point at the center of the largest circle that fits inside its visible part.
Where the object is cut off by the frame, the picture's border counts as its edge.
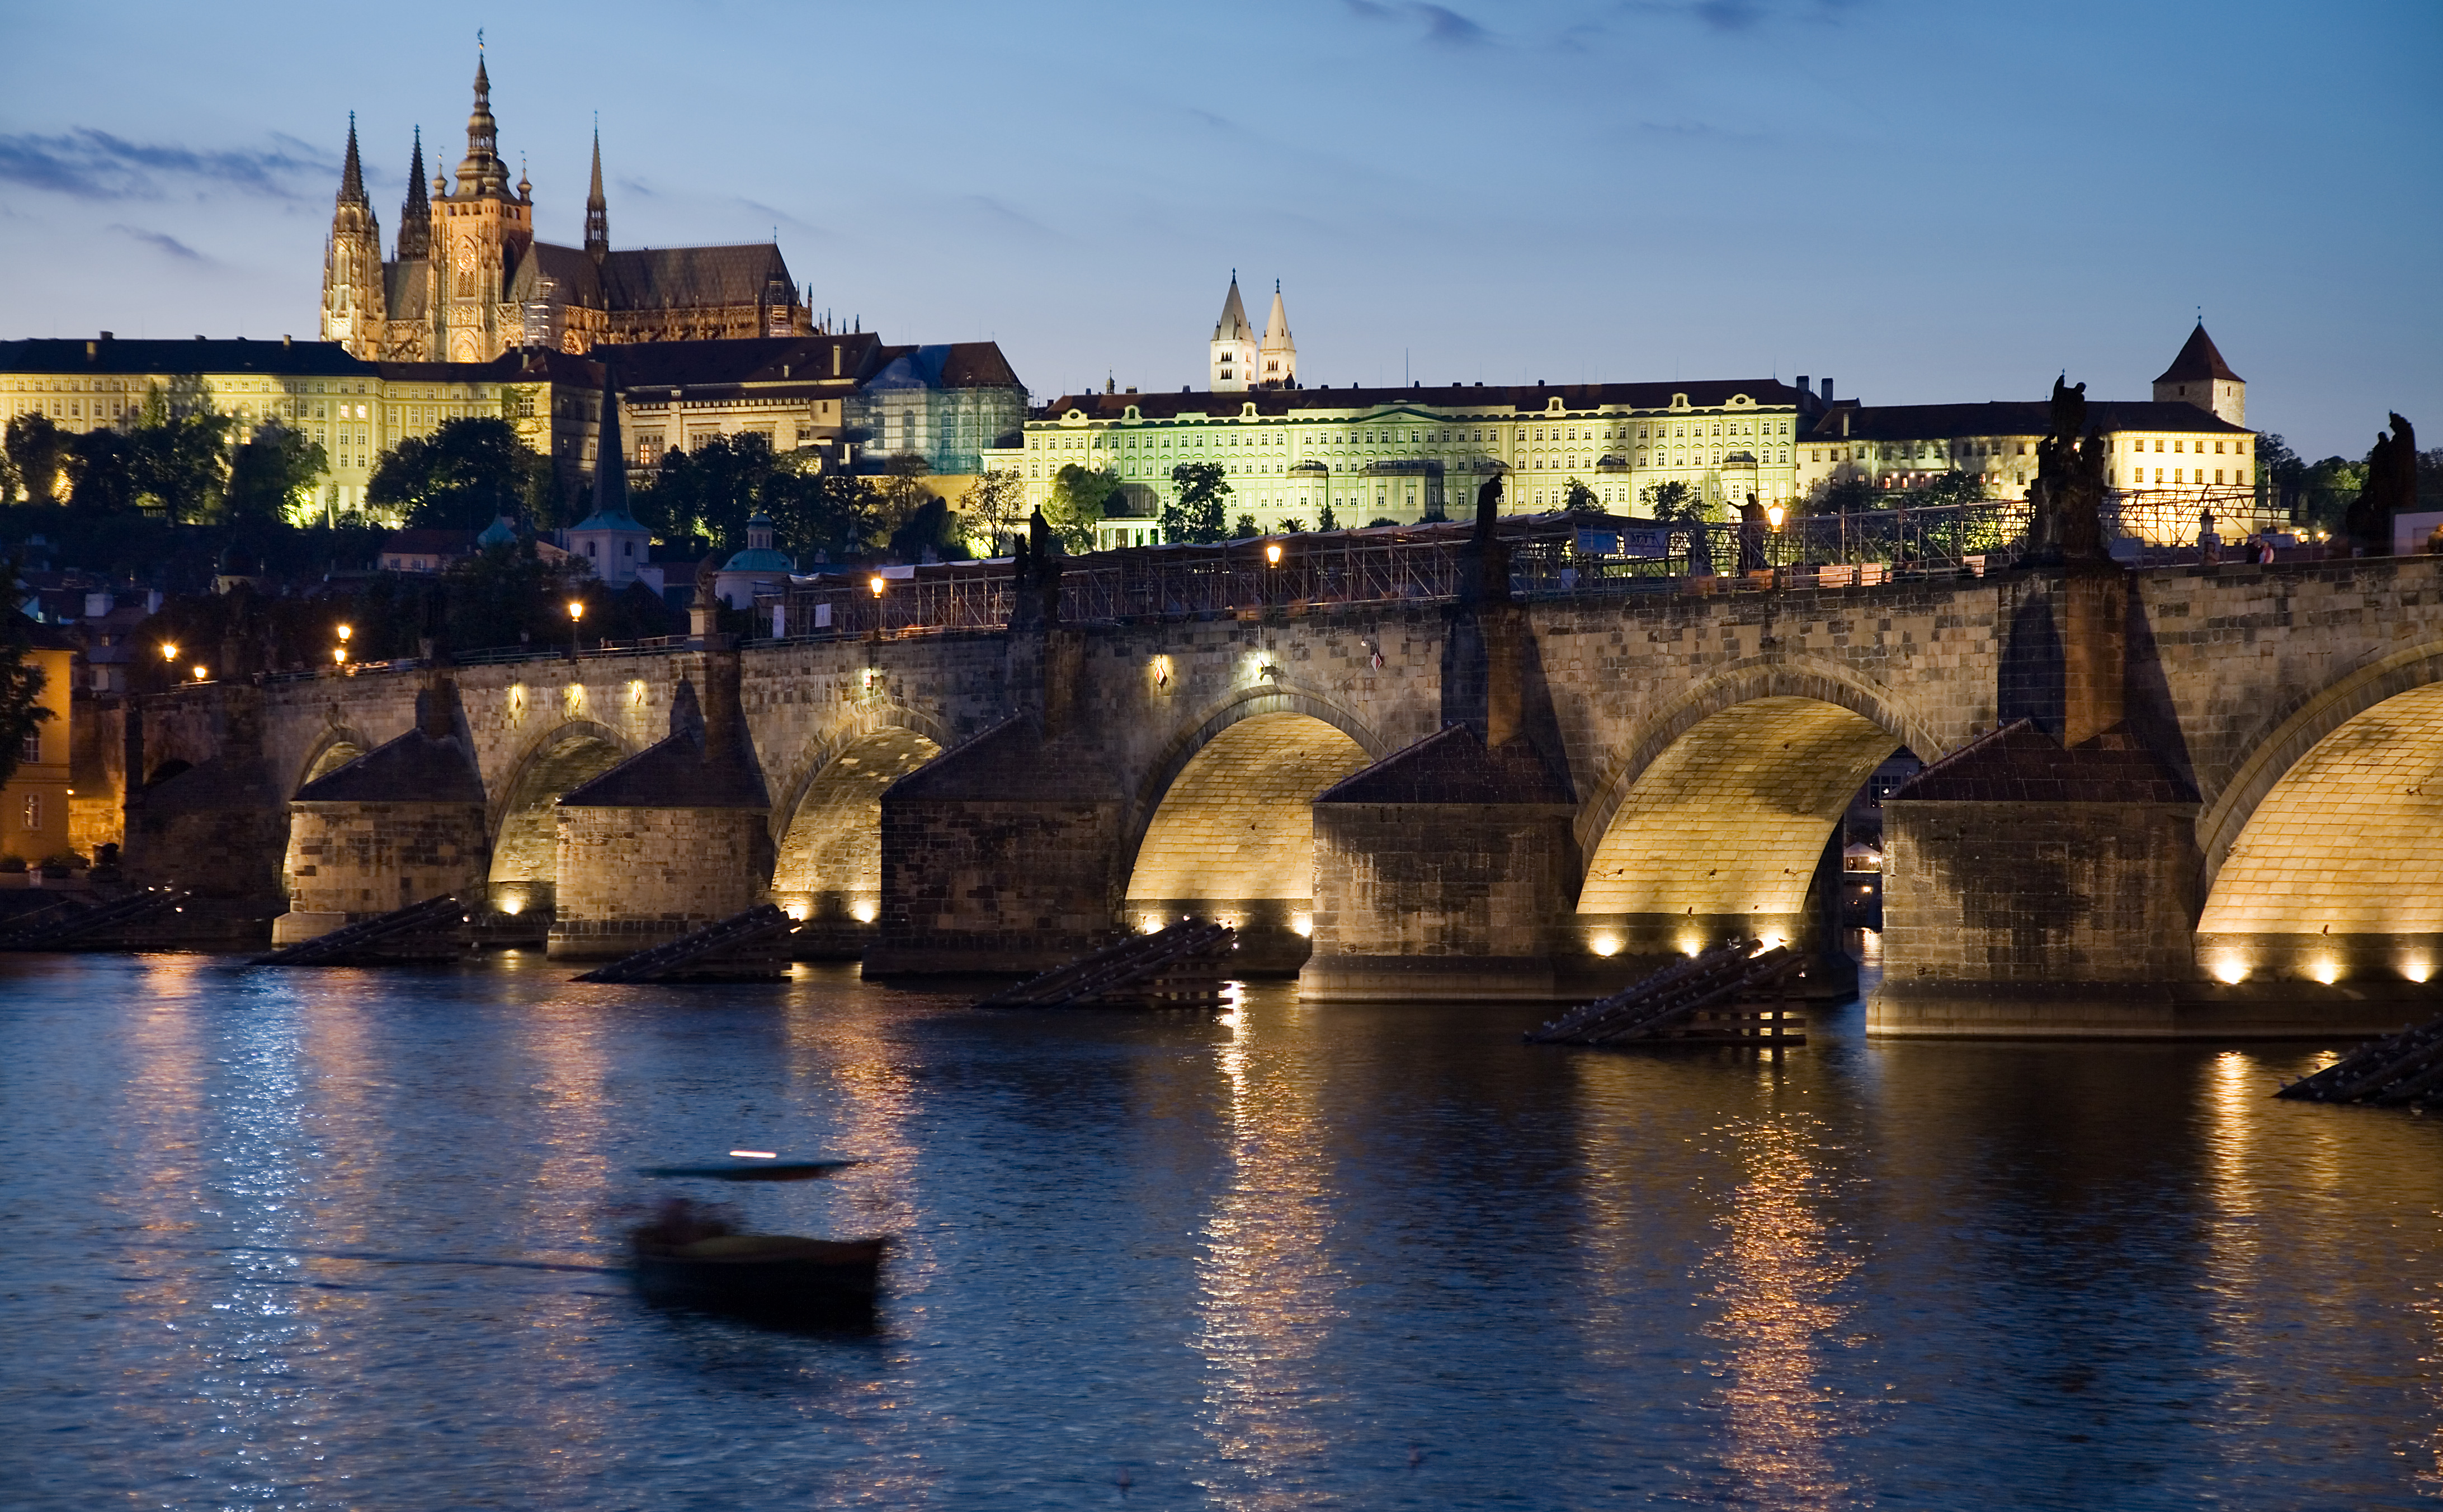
(2199, 376)
(353, 309)
(1278, 354)
(483, 228)
(1234, 345)
(415, 215)
(597, 213)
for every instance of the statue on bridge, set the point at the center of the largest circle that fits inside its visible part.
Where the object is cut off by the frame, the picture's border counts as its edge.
(2391, 489)
(1484, 566)
(1035, 587)
(2066, 499)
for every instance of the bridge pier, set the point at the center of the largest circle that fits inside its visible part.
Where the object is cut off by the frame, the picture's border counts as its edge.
(397, 825)
(1444, 871)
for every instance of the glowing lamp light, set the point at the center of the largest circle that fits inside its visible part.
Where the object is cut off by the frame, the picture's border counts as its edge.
(346, 630)
(2417, 968)
(1773, 513)
(1271, 554)
(2230, 971)
(2326, 972)
(576, 610)
(1302, 925)
(1605, 944)
(876, 584)
(199, 669)
(864, 913)
(339, 655)
(513, 906)
(170, 652)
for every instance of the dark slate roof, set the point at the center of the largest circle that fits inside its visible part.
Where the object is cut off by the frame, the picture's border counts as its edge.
(752, 359)
(215, 784)
(956, 365)
(2006, 417)
(1453, 766)
(671, 278)
(2019, 763)
(311, 360)
(675, 774)
(2198, 362)
(430, 542)
(416, 768)
(407, 288)
(1524, 398)
(571, 270)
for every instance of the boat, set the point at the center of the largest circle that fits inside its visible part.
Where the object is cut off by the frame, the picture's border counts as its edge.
(690, 1257)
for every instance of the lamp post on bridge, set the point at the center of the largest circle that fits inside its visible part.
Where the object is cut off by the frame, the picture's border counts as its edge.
(576, 622)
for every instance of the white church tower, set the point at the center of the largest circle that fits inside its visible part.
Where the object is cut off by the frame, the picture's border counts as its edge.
(1234, 345)
(1279, 352)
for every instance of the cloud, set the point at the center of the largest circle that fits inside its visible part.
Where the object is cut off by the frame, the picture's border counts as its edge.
(88, 164)
(1442, 23)
(161, 243)
(1744, 15)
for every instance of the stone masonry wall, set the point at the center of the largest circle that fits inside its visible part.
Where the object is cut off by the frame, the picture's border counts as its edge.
(630, 878)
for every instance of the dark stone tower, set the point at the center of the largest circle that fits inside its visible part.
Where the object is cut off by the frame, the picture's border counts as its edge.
(597, 214)
(352, 264)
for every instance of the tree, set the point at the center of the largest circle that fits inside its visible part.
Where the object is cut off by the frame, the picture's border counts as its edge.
(930, 526)
(38, 452)
(903, 489)
(1848, 495)
(462, 477)
(1674, 503)
(1200, 505)
(710, 493)
(1581, 499)
(1326, 519)
(271, 480)
(21, 679)
(102, 473)
(995, 507)
(1244, 528)
(1953, 487)
(1292, 525)
(181, 461)
(1077, 503)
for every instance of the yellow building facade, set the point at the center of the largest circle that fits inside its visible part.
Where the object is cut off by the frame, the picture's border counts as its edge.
(34, 803)
(1416, 453)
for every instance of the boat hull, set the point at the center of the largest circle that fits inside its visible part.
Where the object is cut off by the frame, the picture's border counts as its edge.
(775, 1278)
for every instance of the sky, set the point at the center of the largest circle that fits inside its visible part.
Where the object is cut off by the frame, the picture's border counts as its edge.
(1928, 202)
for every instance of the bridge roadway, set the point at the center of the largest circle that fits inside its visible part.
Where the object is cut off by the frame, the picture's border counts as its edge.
(1669, 769)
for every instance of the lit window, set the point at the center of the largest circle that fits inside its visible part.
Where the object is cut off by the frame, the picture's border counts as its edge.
(33, 811)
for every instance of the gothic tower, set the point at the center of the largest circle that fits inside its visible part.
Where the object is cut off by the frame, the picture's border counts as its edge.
(483, 230)
(415, 215)
(598, 215)
(1234, 345)
(1278, 353)
(352, 264)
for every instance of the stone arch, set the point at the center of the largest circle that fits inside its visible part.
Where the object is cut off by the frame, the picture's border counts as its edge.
(2334, 867)
(339, 745)
(2295, 728)
(1745, 682)
(827, 830)
(1716, 820)
(1224, 825)
(522, 822)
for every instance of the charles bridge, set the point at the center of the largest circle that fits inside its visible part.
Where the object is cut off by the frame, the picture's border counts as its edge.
(2181, 801)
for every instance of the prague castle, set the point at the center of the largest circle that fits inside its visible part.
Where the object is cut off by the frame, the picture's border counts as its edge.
(467, 279)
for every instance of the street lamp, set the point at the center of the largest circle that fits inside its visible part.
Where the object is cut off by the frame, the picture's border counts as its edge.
(170, 652)
(875, 583)
(1271, 554)
(576, 619)
(200, 670)
(339, 652)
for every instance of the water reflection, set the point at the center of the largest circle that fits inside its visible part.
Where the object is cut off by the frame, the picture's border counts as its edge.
(1251, 1262)
(1267, 1280)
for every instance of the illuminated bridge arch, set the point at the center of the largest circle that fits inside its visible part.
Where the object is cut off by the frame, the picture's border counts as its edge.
(1717, 820)
(2324, 853)
(524, 823)
(339, 745)
(826, 828)
(1228, 826)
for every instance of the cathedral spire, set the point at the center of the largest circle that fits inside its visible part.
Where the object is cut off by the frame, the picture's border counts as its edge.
(1278, 353)
(597, 214)
(610, 466)
(415, 217)
(351, 177)
(482, 171)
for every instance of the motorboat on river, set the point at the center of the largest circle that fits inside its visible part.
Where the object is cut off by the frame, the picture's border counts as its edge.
(694, 1257)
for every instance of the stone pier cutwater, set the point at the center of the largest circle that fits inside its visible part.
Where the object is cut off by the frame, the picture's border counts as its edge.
(2190, 801)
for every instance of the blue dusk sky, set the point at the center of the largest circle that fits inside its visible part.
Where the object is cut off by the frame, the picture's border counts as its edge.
(1928, 202)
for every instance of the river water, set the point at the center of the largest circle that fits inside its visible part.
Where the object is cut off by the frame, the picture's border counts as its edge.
(1292, 1257)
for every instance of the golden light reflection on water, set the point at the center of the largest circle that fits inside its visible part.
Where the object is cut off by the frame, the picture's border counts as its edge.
(1268, 1287)
(1777, 1265)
